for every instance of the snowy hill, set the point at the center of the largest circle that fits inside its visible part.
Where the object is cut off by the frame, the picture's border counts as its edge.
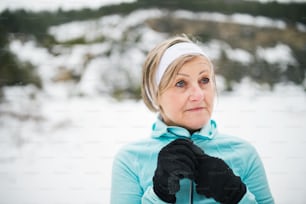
(105, 55)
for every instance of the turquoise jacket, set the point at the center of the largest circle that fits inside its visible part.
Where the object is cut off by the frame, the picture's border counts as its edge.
(134, 166)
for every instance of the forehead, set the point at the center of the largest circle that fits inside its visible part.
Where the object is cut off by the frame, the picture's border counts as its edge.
(196, 63)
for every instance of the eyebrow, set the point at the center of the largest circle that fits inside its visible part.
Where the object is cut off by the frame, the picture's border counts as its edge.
(201, 72)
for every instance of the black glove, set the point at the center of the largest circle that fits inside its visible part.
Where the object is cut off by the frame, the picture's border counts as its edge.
(216, 179)
(176, 160)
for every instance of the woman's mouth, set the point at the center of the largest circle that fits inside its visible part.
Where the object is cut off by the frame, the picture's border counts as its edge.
(195, 109)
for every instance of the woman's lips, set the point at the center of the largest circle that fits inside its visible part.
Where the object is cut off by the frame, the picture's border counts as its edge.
(195, 109)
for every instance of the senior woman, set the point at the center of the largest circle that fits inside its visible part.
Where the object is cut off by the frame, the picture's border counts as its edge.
(186, 160)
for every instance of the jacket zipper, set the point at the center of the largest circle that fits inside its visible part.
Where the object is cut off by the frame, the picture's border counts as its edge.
(191, 193)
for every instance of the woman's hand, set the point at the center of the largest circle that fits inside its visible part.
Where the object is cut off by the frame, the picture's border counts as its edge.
(216, 179)
(176, 160)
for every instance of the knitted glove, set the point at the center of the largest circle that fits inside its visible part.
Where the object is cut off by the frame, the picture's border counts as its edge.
(216, 179)
(176, 160)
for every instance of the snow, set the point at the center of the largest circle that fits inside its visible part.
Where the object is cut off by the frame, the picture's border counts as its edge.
(239, 55)
(259, 21)
(279, 54)
(243, 19)
(301, 27)
(53, 5)
(100, 71)
(67, 156)
(111, 26)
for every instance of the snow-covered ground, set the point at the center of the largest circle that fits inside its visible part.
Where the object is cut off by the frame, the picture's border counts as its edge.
(63, 153)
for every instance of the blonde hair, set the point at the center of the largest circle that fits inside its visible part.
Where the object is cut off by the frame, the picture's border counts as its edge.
(149, 90)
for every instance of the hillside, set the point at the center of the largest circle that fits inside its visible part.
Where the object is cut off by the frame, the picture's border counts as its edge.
(249, 38)
(267, 46)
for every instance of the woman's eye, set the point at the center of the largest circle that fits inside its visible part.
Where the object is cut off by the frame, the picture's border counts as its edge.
(180, 84)
(205, 80)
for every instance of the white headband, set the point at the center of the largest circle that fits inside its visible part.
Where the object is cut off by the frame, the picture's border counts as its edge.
(174, 52)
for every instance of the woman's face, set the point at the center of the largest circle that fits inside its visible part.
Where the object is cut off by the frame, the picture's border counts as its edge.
(188, 102)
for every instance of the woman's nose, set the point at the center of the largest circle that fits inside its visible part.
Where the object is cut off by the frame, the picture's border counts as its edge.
(196, 93)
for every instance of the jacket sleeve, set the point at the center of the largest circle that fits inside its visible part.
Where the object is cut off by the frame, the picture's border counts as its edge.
(125, 187)
(258, 190)
(125, 182)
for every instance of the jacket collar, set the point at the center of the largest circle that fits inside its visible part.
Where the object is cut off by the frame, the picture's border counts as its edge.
(160, 129)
